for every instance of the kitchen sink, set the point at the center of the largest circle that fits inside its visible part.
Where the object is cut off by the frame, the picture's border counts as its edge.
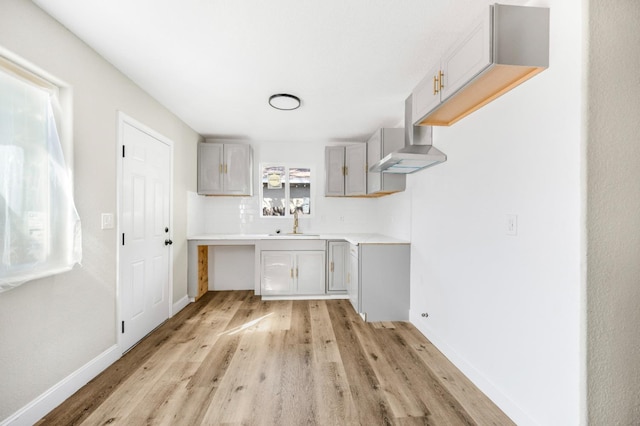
(299, 234)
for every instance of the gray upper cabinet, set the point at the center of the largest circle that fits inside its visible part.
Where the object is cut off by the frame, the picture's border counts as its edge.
(382, 143)
(355, 181)
(334, 171)
(506, 46)
(467, 58)
(426, 95)
(345, 169)
(225, 169)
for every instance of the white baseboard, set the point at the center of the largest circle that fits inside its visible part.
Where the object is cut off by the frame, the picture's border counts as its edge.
(308, 297)
(506, 404)
(58, 393)
(180, 305)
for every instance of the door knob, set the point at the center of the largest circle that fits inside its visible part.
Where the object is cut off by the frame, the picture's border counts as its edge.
(168, 242)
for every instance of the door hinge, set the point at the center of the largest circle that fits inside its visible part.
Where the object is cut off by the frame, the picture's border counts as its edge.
(122, 327)
(123, 238)
(122, 151)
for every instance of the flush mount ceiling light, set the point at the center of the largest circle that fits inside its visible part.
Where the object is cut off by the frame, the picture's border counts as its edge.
(284, 101)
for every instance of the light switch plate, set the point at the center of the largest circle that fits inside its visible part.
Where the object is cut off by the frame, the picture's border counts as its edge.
(107, 221)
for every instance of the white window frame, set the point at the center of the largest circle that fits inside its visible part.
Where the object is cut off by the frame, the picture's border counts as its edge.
(287, 190)
(61, 103)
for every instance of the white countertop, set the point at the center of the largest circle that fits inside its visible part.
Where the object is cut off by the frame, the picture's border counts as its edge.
(356, 239)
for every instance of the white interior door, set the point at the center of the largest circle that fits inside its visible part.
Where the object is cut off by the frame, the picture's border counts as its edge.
(145, 235)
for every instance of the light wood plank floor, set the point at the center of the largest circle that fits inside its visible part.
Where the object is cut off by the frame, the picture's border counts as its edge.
(232, 359)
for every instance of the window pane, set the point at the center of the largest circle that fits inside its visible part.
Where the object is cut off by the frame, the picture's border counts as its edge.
(273, 191)
(39, 225)
(300, 191)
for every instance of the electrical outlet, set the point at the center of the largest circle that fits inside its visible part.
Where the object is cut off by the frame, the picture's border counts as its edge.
(107, 221)
(512, 224)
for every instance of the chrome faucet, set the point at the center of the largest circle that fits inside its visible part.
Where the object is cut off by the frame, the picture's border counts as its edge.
(295, 221)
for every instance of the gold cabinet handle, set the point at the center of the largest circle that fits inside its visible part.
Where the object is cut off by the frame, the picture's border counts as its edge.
(441, 80)
(291, 272)
(435, 84)
(220, 168)
(225, 169)
(346, 170)
(331, 267)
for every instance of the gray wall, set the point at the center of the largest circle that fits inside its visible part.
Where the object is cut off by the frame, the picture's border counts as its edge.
(613, 213)
(51, 327)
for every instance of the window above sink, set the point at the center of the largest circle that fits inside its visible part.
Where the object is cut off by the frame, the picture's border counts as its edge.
(285, 189)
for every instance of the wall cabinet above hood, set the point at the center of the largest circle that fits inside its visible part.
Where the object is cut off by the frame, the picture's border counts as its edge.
(505, 47)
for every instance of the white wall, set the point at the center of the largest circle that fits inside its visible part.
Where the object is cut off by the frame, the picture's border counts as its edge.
(51, 327)
(613, 291)
(507, 309)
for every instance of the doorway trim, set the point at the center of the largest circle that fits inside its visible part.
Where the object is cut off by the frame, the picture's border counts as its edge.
(123, 119)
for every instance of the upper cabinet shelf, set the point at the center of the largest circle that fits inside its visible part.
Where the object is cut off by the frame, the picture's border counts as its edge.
(505, 47)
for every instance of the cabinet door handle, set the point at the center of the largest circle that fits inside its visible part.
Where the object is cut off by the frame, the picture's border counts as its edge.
(331, 267)
(441, 80)
(220, 168)
(346, 170)
(291, 272)
(435, 84)
(225, 169)
(296, 272)
(348, 277)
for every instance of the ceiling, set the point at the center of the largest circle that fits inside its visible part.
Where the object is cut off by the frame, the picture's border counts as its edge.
(215, 63)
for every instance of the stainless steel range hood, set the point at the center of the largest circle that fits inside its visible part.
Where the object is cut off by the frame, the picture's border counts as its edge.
(417, 154)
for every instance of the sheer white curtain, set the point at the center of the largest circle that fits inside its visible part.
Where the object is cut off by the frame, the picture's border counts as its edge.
(40, 231)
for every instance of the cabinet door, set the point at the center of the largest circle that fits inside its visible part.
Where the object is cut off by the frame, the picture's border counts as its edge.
(467, 58)
(334, 171)
(277, 272)
(338, 266)
(374, 154)
(426, 95)
(237, 169)
(310, 272)
(210, 169)
(356, 172)
(353, 280)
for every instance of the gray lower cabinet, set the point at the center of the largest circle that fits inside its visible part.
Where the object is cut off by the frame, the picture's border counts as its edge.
(337, 266)
(378, 282)
(353, 282)
(289, 268)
